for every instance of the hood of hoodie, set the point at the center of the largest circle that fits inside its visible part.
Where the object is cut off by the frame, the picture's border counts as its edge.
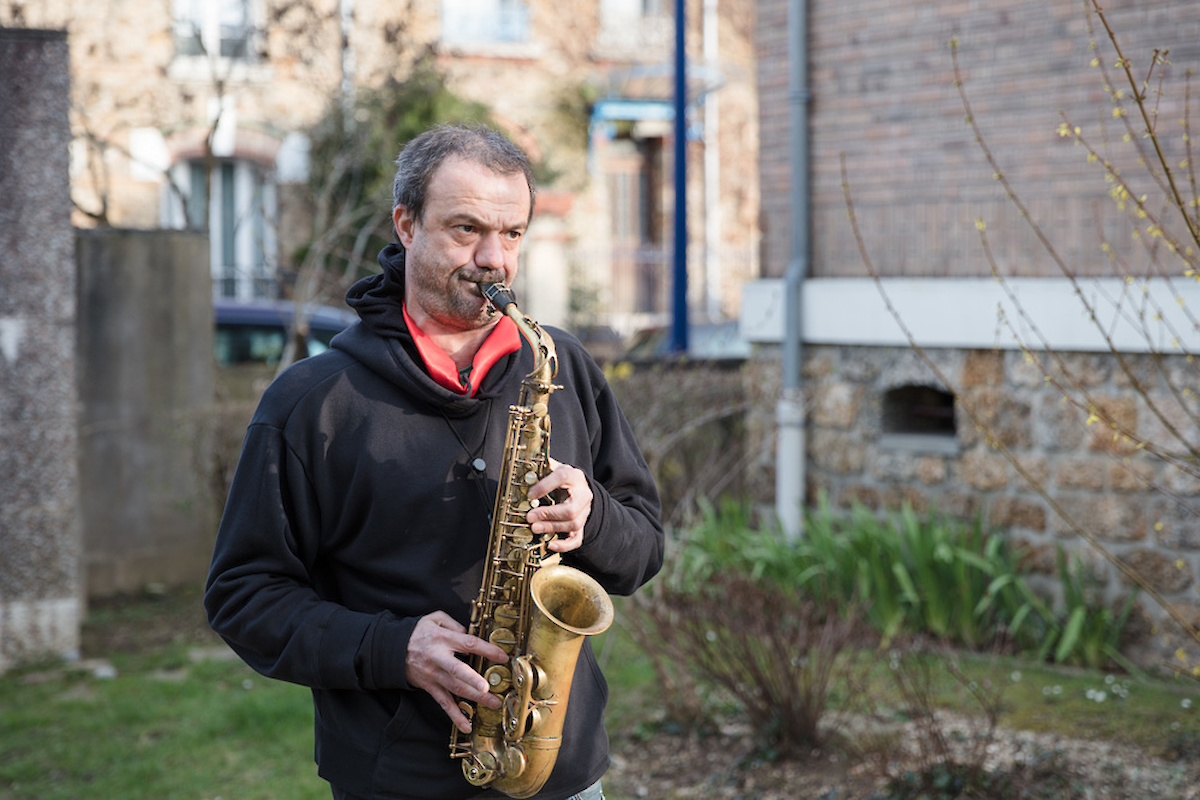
(381, 341)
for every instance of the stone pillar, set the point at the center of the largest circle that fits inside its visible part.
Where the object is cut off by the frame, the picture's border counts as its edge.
(40, 597)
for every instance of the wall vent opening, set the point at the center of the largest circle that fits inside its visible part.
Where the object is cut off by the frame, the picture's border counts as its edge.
(918, 410)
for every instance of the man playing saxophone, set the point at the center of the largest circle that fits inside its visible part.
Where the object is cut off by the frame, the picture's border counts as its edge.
(354, 537)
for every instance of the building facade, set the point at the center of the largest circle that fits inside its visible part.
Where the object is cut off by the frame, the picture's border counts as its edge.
(198, 114)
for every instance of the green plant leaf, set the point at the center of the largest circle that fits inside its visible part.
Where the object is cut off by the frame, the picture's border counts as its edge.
(1070, 635)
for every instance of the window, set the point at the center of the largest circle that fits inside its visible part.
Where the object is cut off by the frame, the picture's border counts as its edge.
(918, 409)
(635, 29)
(619, 12)
(237, 205)
(635, 180)
(919, 417)
(221, 28)
(476, 22)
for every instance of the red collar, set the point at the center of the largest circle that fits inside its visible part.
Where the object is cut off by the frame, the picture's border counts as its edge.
(504, 339)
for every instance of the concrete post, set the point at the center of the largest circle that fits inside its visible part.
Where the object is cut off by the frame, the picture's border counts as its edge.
(41, 603)
(146, 378)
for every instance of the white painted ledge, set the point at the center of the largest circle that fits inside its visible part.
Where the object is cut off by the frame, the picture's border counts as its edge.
(1039, 313)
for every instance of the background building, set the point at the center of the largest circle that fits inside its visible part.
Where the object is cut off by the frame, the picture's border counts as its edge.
(1051, 390)
(200, 114)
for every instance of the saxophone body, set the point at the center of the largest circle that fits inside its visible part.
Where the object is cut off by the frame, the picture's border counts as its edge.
(533, 607)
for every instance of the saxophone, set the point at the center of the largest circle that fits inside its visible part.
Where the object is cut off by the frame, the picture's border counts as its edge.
(533, 607)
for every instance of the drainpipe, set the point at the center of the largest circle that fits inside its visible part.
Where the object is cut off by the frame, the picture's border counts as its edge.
(789, 443)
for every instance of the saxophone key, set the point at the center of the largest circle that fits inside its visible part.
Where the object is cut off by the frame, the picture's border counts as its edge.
(499, 679)
(480, 768)
(507, 615)
(504, 639)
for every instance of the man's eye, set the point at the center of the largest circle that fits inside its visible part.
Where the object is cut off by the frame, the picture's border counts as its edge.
(513, 235)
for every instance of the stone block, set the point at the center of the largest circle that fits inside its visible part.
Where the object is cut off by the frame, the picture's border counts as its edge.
(1108, 518)
(836, 405)
(1162, 573)
(1058, 425)
(1017, 512)
(983, 469)
(1133, 474)
(838, 452)
(931, 470)
(983, 368)
(858, 494)
(1082, 473)
(899, 495)
(1175, 524)
(1113, 425)
(998, 416)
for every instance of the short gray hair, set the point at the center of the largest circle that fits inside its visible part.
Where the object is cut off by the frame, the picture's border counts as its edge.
(422, 156)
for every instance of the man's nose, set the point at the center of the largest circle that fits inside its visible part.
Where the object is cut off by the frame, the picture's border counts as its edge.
(490, 252)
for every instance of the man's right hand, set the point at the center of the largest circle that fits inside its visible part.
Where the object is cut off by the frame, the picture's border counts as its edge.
(432, 664)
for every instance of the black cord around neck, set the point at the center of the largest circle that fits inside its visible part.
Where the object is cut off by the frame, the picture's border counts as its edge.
(476, 466)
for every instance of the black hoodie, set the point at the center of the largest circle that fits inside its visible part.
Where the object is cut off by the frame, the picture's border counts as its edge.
(353, 512)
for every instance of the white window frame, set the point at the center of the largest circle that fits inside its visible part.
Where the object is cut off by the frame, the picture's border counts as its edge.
(242, 213)
(205, 22)
(486, 24)
(635, 28)
(201, 21)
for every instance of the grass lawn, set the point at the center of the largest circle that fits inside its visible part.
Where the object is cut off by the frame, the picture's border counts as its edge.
(155, 709)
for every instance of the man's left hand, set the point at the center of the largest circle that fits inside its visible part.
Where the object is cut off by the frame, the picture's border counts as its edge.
(566, 517)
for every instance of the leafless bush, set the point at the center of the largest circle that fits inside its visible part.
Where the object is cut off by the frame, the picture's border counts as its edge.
(937, 755)
(689, 418)
(774, 652)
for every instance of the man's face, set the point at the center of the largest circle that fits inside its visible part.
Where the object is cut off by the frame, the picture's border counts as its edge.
(470, 233)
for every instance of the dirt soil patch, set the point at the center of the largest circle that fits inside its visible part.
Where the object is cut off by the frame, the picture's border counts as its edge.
(671, 767)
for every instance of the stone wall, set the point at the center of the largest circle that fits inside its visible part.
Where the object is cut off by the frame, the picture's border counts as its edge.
(40, 596)
(1134, 500)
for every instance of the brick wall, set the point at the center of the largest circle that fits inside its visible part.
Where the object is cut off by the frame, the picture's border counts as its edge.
(882, 82)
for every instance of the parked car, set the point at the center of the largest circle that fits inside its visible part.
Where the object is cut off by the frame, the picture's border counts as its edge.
(602, 341)
(256, 332)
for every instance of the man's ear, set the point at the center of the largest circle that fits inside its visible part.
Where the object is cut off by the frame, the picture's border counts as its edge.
(404, 224)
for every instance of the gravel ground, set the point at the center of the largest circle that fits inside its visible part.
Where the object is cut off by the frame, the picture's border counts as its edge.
(723, 766)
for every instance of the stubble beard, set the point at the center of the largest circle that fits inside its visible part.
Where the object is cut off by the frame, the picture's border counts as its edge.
(459, 302)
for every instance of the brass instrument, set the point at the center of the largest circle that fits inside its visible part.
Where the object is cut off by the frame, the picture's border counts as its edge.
(533, 607)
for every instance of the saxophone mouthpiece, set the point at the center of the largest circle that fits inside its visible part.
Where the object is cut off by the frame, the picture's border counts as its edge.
(498, 296)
